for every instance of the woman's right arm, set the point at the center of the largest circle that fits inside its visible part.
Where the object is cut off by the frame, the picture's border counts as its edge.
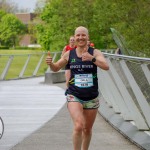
(59, 64)
(63, 51)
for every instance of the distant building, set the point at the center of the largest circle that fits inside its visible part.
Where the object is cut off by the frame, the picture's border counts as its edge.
(26, 18)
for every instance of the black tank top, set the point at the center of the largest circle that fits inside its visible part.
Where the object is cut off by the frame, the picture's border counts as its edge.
(83, 82)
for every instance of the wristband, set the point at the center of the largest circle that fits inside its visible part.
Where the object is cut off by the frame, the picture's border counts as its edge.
(93, 59)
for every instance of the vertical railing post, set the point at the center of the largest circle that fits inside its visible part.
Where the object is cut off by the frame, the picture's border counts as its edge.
(145, 108)
(38, 65)
(146, 72)
(24, 67)
(3, 75)
(136, 115)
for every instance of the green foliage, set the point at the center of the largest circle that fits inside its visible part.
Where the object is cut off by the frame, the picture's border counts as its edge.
(60, 21)
(2, 13)
(4, 47)
(10, 29)
(131, 18)
(25, 48)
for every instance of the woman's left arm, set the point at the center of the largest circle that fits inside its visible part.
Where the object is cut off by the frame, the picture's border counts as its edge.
(100, 60)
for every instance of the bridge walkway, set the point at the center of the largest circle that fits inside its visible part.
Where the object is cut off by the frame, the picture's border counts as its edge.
(35, 117)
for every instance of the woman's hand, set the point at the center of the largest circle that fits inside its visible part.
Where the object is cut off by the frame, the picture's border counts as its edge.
(48, 59)
(86, 56)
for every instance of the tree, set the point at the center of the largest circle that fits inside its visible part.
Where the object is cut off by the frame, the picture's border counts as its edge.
(12, 7)
(39, 6)
(131, 18)
(2, 13)
(10, 29)
(8, 6)
(59, 20)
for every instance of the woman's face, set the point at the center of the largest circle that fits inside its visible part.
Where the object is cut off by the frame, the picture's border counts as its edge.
(72, 40)
(81, 37)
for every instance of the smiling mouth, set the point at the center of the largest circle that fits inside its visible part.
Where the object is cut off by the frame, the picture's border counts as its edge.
(81, 41)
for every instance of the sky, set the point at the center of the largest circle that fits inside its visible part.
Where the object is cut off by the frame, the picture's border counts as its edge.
(25, 4)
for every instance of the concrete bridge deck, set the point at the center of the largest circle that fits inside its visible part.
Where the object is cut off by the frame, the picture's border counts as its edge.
(35, 117)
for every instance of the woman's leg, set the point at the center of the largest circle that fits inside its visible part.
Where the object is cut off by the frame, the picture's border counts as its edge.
(89, 118)
(76, 112)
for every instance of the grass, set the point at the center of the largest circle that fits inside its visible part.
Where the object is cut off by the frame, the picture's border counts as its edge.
(19, 59)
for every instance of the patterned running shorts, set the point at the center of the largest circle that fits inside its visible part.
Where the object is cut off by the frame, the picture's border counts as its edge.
(90, 104)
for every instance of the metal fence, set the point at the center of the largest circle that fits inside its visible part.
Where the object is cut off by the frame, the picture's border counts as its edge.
(24, 65)
(126, 88)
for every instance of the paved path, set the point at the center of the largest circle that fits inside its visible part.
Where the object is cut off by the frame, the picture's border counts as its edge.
(25, 106)
(36, 118)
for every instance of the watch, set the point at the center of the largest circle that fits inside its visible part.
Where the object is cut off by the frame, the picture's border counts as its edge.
(93, 59)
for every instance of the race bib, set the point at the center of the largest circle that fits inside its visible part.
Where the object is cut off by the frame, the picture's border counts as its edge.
(84, 80)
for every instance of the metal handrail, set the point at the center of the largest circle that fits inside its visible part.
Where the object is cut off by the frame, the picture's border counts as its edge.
(128, 92)
(7, 66)
(127, 57)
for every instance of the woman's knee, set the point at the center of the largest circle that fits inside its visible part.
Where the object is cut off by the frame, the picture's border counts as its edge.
(78, 127)
(87, 131)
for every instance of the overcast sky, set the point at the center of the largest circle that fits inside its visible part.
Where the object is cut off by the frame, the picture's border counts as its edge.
(26, 4)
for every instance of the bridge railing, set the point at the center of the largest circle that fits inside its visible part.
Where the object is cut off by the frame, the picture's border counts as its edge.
(24, 65)
(126, 88)
(18, 66)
